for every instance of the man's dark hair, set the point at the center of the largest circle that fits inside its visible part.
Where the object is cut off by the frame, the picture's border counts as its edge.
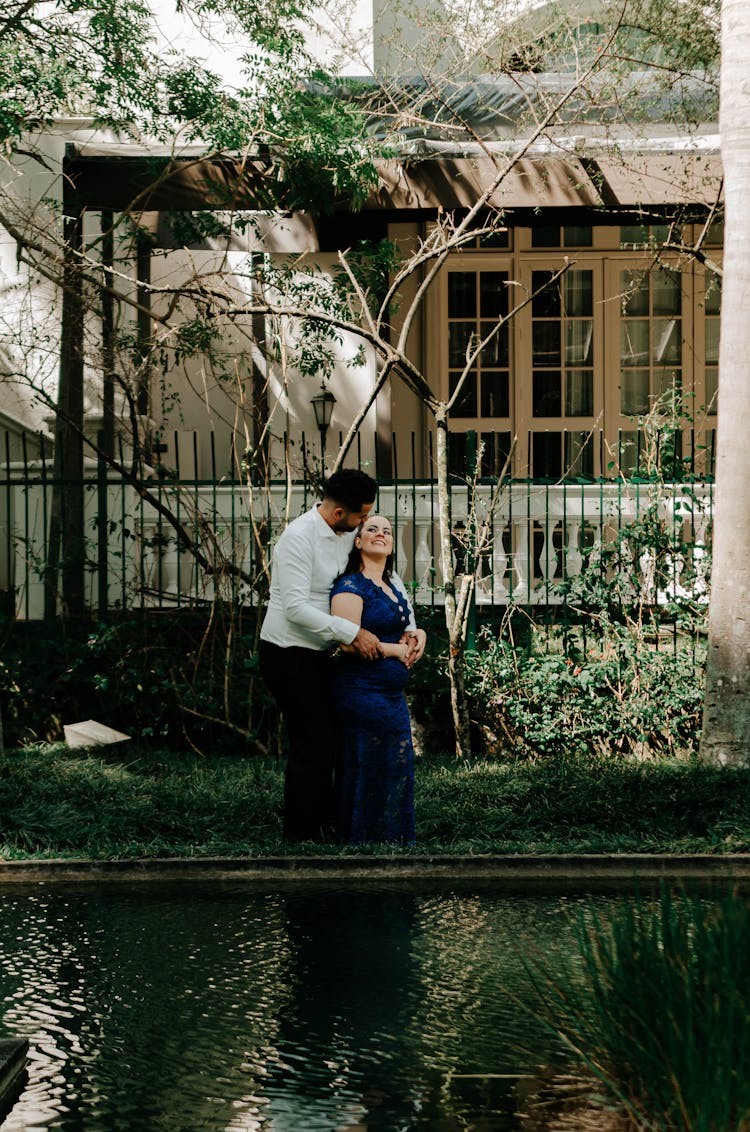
(350, 488)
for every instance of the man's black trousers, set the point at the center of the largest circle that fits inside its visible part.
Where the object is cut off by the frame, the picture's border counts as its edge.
(301, 682)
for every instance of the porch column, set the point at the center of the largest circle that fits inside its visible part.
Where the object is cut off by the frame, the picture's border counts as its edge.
(108, 333)
(66, 535)
(142, 391)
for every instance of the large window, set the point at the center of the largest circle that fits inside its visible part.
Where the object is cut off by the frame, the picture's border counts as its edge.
(479, 362)
(608, 342)
(562, 373)
(651, 359)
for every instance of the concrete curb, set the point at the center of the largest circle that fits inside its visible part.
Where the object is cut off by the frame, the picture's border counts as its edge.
(13, 1057)
(583, 871)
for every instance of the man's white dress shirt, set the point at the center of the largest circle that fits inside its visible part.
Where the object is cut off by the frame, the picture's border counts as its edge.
(307, 559)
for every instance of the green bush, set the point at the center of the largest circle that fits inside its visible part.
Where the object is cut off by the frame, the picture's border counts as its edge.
(659, 1016)
(619, 694)
(183, 679)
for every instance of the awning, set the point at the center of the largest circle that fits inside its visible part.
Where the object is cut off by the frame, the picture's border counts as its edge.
(625, 180)
(459, 182)
(437, 182)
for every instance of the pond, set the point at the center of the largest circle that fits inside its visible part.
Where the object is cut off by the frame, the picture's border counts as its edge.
(314, 1008)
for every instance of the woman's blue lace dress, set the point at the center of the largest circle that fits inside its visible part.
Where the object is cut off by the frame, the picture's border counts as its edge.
(376, 770)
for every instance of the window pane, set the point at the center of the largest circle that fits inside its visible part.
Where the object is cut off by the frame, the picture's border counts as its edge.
(495, 402)
(715, 235)
(493, 294)
(498, 239)
(579, 393)
(634, 342)
(546, 455)
(711, 451)
(546, 304)
(667, 292)
(496, 352)
(459, 337)
(634, 290)
(579, 342)
(712, 389)
(457, 455)
(462, 294)
(633, 234)
(629, 452)
(578, 236)
(667, 347)
(713, 294)
(545, 236)
(712, 340)
(545, 343)
(466, 406)
(579, 454)
(547, 395)
(642, 234)
(667, 388)
(495, 454)
(634, 390)
(578, 289)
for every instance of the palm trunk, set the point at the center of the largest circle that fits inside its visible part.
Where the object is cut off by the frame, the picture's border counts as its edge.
(726, 719)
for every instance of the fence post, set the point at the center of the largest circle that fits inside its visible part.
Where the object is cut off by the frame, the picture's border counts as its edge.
(102, 527)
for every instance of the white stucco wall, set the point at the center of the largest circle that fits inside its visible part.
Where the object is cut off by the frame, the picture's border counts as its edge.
(196, 397)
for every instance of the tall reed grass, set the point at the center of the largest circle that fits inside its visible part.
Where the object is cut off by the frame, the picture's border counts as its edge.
(658, 1013)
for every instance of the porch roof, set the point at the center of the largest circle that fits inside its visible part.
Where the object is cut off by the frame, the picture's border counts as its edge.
(118, 177)
(552, 181)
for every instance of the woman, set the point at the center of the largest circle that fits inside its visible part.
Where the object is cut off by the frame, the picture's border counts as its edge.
(376, 772)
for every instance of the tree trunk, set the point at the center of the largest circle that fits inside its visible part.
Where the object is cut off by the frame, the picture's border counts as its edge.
(454, 613)
(726, 719)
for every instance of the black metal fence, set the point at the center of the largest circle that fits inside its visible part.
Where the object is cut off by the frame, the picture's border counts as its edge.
(169, 541)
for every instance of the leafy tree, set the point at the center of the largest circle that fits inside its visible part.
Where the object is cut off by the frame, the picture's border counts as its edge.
(311, 141)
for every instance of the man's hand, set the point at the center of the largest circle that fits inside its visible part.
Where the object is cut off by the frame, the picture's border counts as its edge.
(415, 642)
(366, 644)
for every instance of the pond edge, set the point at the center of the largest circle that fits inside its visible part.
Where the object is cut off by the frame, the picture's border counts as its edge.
(521, 871)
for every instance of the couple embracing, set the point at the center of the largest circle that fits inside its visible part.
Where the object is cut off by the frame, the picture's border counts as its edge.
(350, 766)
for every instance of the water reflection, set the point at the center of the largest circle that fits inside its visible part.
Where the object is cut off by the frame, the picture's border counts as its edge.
(237, 1010)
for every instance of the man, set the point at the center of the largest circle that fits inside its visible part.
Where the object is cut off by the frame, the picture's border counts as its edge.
(298, 636)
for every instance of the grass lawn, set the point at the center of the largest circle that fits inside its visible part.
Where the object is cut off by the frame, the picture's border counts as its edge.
(132, 802)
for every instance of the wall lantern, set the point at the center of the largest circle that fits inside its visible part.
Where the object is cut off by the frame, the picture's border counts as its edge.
(322, 404)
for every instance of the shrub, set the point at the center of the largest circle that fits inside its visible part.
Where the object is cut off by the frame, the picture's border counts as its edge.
(619, 694)
(183, 679)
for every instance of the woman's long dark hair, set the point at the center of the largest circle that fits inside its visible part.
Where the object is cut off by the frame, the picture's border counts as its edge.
(354, 561)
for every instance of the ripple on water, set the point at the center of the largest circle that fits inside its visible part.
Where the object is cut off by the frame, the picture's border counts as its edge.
(235, 1010)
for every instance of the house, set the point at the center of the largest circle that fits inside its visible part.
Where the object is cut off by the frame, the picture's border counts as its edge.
(603, 228)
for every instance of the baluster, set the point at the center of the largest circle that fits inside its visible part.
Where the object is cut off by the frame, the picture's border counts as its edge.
(700, 564)
(423, 559)
(499, 564)
(147, 576)
(521, 558)
(647, 563)
(548, 556)
(399, 551)
(573, 560)
(675, 565)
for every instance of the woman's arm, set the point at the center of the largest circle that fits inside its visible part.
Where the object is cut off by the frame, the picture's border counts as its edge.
(349, 606)
(399, 650)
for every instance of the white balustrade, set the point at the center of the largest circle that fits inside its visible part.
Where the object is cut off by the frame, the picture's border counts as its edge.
(536, 540)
